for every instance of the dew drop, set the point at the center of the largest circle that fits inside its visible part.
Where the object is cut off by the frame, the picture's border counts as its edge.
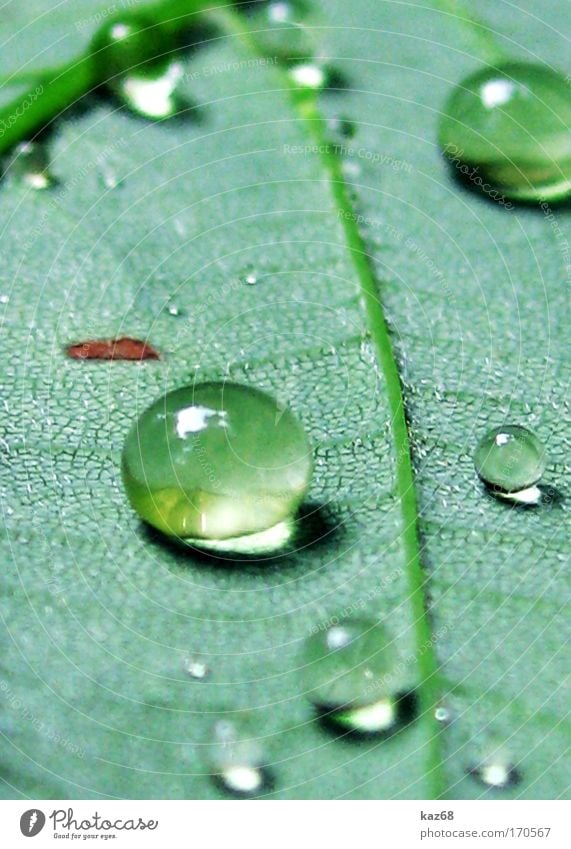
(29, 164)
(210, 463)
(174, 310)
(197, 667)
(237, 757)
(506, 131)
(250, 279)
(511, 460)
(351, 673)
(281, 31)
(443, 714)
(309, 75)
(496, 772)
(135, 62)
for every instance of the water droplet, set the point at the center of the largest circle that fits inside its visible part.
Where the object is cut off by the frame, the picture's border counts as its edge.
(197, 667)
(506, 131)
(510, 459)
(250, 278)
(281, 32)
(496, 771)
(443, 714)
(135, 61)
(174, 310)
(350, 672)
(309, 75)
(4, 299)
(343, 127)
(237, 756)
(208, 464)
(29, 164)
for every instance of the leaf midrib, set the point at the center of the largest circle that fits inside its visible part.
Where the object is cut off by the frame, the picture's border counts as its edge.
(310, 117)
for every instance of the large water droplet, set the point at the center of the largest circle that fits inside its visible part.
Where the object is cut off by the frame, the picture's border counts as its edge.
(212, 462)
(511, 460)
(350, 671)
(135, 61)
(237, 757)
(29, 164)
(506, 132)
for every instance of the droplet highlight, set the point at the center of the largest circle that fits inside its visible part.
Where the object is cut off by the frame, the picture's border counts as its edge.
(249, 276)
(506, 131)
(308, 75)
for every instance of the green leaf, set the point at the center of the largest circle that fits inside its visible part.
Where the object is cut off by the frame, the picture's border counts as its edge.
(99, 614)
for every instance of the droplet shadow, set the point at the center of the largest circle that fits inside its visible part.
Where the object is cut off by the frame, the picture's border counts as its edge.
(548, 498)
(313, 527)
(494, 195)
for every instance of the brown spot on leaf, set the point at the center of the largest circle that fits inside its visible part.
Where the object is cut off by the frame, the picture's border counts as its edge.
(112, 349)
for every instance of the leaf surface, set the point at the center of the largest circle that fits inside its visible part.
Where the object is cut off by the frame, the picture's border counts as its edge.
(99, 614)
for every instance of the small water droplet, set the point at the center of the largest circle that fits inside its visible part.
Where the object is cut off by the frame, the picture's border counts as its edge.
(4, 299)
(496, 771)
(237, 757)
(174, 310)
(510, 460)
(309, 75)
(249, 276)
(443, 714)
(137, 64)
(503, 132)
(281, 31)
(351, 673)
(197, 667)
(29, 164)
